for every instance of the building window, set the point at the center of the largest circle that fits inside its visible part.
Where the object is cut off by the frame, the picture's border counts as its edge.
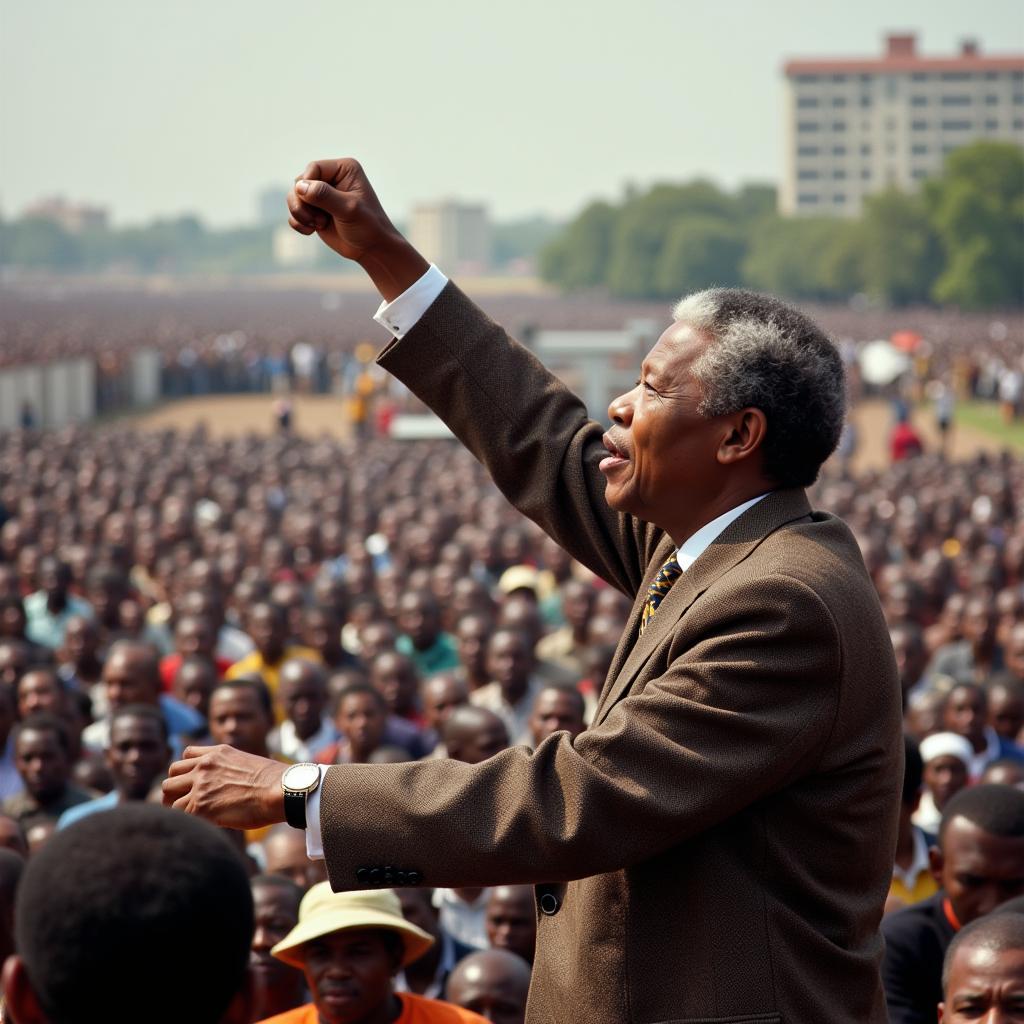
(838, 101)
(807, 151)
(839, 126)
(919, 76)
(956, 126)
(1018, 98)
(919, 126)
(919, 149)
(919, 101)
(1018, 123)
(808, 126)
(956, 101)
(1017, 76)
(807, 199)
(991, 101)
(839, 78)
(865, 173)
(947, 149)
(839, 151)
(919, 173)
(865, 101)
(808, 175)
(955, 76)
(991, 125)
(806, 102)
(839, 198)
(839, 175)
(865, 149)
(807, 79)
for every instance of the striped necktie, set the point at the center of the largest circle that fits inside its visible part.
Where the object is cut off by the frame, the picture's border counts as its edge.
(660, 586)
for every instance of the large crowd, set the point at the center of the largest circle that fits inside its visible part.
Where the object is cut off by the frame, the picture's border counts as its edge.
(374, 601)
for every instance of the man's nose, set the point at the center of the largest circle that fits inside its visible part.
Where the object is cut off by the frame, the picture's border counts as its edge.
(621, 409)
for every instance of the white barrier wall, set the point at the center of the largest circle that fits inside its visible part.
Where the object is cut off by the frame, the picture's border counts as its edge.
(58, 393)
(145, 380)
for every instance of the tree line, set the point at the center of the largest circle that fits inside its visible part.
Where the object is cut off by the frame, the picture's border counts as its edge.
(958, 241)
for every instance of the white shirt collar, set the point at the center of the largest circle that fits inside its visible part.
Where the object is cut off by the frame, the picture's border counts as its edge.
(693, 547)
(917, 865)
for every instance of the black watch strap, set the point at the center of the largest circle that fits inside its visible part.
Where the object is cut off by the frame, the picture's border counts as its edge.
(295, 809)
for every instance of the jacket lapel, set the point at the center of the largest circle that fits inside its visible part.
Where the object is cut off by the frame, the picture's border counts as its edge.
(733, 545)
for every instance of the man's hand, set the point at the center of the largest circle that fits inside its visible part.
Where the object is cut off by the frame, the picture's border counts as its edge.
(334, 198)
(226, 786)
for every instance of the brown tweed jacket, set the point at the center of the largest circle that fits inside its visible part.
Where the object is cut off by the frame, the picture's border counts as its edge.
(717, 847)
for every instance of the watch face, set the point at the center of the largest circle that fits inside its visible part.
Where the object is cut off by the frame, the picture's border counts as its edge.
(301, 776)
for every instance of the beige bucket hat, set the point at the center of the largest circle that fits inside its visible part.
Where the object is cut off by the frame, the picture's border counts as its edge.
(323, 912)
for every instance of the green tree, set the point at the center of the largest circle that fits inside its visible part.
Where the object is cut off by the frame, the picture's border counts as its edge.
(39, 242)
(977, 211)
(699, 252)
(901, 254)
(578, 257)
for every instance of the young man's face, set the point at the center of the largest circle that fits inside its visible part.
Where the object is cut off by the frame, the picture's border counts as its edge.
(349, 974)
(984, 987)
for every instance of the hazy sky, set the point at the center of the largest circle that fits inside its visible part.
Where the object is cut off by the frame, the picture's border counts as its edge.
(156, 108)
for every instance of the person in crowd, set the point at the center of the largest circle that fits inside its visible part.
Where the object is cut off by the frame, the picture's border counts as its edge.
(511, 920)
(440, 695)
(12, 836)
(42, 753)
(194, 682)
(306, 729)
(78, 659)
(946, 757)
(11, 783)
(556, 708)
(321, 631)
(361, 720)
(493, 983)
(267, 624)
(912, 879)
(241, 715)
(422, 639)
(472, 634)
(514, 687)
(473, 734)
(131, 675)
(104, 912)
(396, 678)
(40, 689)
(284, 853)
(276, 986)
(966, 713)
(974, 658)
(979, 864)
(923, 713)
(1007, 772)
(983, 973)
(567, 646)
(1006, 708)
(49, 609)
(351, 946)
(904, 441)
(138, 756)
(193, 635)
(428, 975)
(911, 657)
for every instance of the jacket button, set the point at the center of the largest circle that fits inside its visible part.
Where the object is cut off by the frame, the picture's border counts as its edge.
(549, 904)
(413, 877)
(375, 874)
(362, 875)
(401, 877)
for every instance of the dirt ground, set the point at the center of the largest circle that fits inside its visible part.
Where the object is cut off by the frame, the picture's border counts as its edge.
(315, 415)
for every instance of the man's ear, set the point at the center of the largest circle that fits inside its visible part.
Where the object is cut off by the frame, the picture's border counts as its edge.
(22, 1003)
(745, 432)
(936, 862)
(942, 1011)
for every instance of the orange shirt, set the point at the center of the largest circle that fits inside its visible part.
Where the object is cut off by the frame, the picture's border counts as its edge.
(415, 1010)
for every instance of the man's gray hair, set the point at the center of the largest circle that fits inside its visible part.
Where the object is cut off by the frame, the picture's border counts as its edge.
(769, 356)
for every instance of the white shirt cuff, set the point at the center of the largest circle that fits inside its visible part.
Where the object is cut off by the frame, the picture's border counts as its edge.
(314, 842)
(402, 314)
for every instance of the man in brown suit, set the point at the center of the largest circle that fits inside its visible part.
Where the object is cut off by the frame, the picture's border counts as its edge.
(718, 846)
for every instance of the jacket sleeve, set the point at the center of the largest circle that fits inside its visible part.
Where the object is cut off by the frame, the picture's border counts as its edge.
(721, 727)
(526, 427)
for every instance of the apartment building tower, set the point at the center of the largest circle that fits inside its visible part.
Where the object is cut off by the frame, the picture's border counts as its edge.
(858, 126)
(456, 236)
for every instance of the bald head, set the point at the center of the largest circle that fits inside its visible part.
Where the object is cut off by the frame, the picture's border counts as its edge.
(494, 984)
(284, 853)
(473, 734)
(511, 920)
(984, 968)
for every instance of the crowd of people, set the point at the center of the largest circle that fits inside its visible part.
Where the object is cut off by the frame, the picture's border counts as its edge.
(376, 601)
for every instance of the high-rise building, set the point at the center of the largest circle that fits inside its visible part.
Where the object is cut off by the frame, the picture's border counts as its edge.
(857, 126)
(455, 236)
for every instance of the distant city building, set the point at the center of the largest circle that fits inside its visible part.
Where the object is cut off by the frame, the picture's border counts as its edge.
(455, 236)
(858, 126)
(72, 217)
(292, 250)
(270, 205)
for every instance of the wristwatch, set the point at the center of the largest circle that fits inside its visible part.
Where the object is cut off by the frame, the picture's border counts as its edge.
(298, 781)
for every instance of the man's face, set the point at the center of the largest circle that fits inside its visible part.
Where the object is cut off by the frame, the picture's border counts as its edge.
(42, 763)
(127, 682)
(80, 639)
(395, 680)
(195, 636)
(349, 974)
(495, 995)
(276, 913)
(267, 630)
(984, 987)
(321, 631)
(138, 755)
(285, 854)
(418, 909)
(665, 449)
(14, 659)
(979, 623)
(53, 580)
(441, 696)
(1014, 653)
(472, 633)
(39, 691)
(484, 741)
(238, 719)
(966, 713)
(509, 661)
(554, 711)
(303, 697)
(1006, 713)
(977, 869)
(419, 620)
(910, 657)
(193, 685)
(945, 776)
(510, 920)
(361, 720)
